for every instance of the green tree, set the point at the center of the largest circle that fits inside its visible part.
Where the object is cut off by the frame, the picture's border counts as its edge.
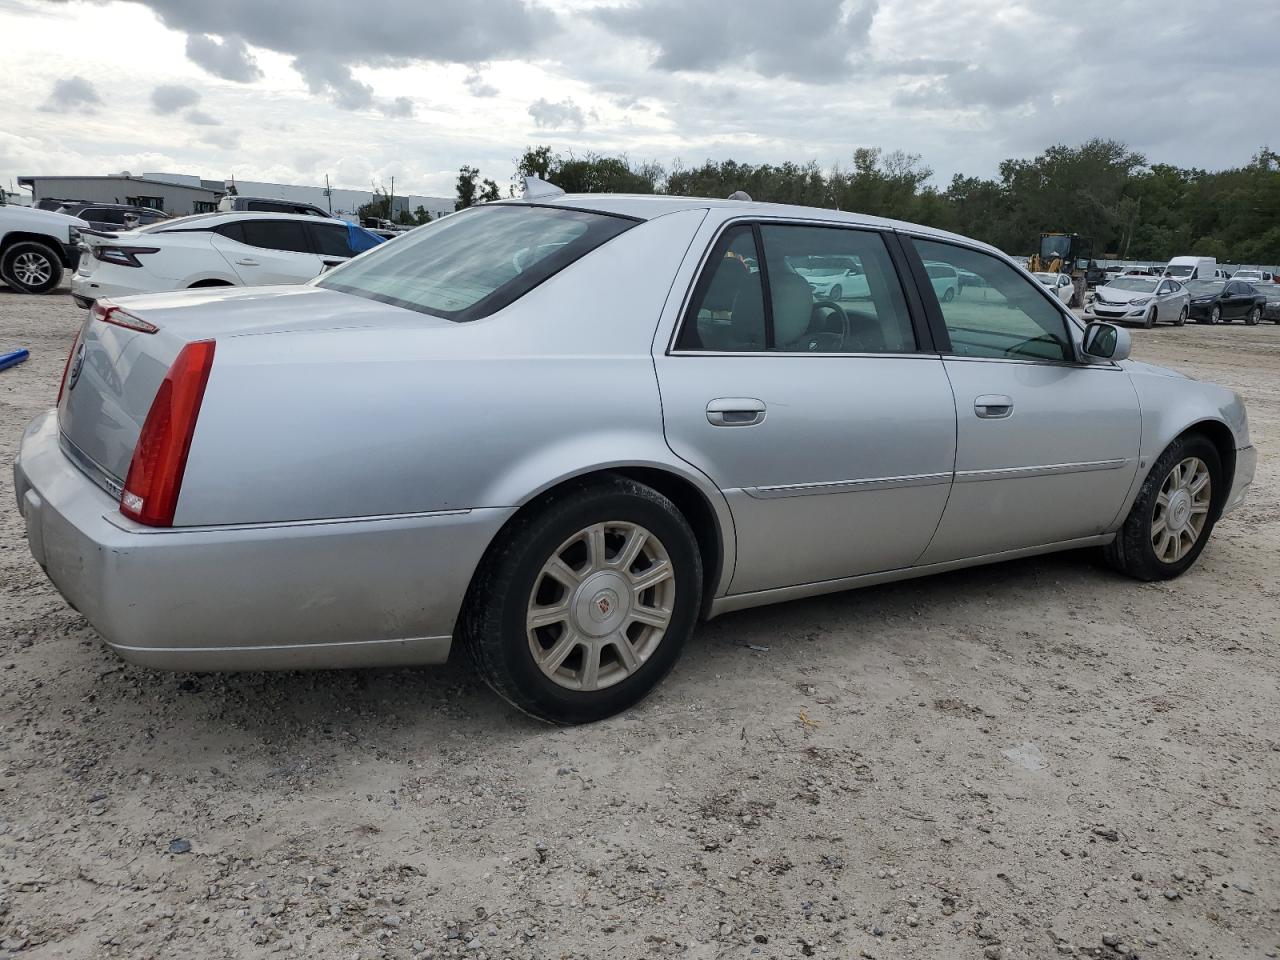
(421, 216)
(467, 191)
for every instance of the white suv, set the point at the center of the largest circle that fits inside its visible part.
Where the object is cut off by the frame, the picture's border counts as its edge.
(35, 246)
(214, 250)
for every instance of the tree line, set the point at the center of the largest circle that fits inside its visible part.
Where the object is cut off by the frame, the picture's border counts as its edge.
(1133, 209)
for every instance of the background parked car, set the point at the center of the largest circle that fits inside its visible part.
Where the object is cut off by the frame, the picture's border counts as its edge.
(1270, 310)
(214, 250)
(229, 204)
(1059, 284)
(1144, 300)
(1222, 301)
(1254, 276)
(834, 278)
(945, 280)
(113, 217)
(35, 246)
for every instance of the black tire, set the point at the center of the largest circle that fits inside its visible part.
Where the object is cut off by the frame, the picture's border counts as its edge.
(1215, 315)
(29, 254)
(949, 294)
(1149, 320)
(492, 626)
(1255, 315)
(1132, 551)
(1182, 317)
(837, 292)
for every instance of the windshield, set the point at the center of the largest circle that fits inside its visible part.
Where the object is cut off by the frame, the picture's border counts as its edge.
(1205, 288)
(1179, 270)
(1136, 284)
(1051, 247)
(474, 263)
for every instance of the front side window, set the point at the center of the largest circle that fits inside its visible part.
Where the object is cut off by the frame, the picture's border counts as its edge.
(275, 235)
(476, 262)
(331, 241)
(823, 290)
(1011, 319)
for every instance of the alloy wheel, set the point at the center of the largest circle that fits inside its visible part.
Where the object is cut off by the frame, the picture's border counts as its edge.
(1182, 509)
(1216, 315)
(600, 605)
(32, 269)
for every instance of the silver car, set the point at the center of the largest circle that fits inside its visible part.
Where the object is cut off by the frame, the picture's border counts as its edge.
(1144, 300)
(558, 432)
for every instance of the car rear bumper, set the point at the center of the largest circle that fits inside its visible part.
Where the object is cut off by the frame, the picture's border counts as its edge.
(98, 284)
(334, 593)
(1246, 465)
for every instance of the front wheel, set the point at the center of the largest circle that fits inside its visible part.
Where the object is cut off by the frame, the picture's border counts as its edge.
(949, 294)
(31, 267)
(1174, 512)
(1149, 320)
(837, 292)
(584, 604)
(1215, 315)
(1254, 316)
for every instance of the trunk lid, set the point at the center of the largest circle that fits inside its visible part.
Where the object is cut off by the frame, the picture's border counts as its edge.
(114, 372)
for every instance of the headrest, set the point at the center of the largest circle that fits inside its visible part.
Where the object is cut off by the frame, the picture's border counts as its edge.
(792, 307)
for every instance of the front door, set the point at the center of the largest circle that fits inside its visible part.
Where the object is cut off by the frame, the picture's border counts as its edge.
(830, 432)
(268, 251)
(1047, 447)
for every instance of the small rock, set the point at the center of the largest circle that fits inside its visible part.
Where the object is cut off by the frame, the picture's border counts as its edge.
(913, 920)
(993, 952)
(1110, 939)
(1150, 941)
(1172, 894)
(179, 846)
(391, 921)
(1179, 875)
(1243, 887)
(1106, 833)
(1136, 876)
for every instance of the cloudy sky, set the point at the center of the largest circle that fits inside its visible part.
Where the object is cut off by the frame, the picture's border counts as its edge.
(291, 90)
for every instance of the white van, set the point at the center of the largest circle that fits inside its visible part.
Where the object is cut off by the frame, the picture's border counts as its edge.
(1183, 269)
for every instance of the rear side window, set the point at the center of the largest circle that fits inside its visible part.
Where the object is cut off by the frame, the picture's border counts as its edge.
(275, 235)
(476, 262)
(823, 290)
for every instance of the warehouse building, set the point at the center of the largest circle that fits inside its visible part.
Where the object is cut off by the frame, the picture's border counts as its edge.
(177, 199)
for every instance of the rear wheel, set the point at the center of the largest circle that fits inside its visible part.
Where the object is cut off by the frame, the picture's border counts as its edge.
(31, 267)
(1174, 513)
(1182, 317)
(1255, 315)
(585, 603)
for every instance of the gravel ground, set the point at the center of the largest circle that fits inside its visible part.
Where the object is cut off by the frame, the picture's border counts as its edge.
(1032, 759)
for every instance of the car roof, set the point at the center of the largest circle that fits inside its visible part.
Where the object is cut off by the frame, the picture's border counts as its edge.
(651, 206)
(207, 221)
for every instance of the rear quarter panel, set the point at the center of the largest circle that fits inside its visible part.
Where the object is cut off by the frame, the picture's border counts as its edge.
(357, 423)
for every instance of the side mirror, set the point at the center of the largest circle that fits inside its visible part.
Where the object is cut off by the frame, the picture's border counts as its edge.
(1106, 341)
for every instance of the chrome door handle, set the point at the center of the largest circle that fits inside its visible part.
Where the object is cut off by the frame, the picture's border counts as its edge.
(246, 263)
(993, 406)
(735, 412)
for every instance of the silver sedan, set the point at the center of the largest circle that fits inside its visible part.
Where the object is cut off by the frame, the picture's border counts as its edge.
(500, 434)
(1144, 300)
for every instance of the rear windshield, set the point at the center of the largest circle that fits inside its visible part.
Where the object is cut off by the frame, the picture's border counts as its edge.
(1206, 288)
(474, 263)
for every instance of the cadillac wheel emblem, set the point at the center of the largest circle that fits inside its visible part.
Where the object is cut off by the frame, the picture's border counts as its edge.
(76, 366)
(604, 606)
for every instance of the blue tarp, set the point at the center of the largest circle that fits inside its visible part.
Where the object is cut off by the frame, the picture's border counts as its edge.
(361, 239)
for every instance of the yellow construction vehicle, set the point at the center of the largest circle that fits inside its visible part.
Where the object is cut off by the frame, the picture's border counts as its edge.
(1067, 253)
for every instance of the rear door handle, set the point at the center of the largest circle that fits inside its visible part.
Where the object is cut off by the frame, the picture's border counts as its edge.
(735, 412)
(993, 406)
(246, 263)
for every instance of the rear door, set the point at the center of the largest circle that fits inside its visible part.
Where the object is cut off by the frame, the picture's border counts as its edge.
(1046, 446)
(268, 251)
(829, 427)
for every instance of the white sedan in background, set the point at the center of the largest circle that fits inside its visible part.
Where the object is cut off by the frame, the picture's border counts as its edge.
(214, 250)
(1059, 283)
(1143, 300)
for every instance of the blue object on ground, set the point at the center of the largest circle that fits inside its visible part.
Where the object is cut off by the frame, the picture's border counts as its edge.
(13, 358)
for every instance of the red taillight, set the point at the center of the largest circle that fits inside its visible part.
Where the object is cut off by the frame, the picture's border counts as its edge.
(160, 457)
(108, 312)
(66, 367)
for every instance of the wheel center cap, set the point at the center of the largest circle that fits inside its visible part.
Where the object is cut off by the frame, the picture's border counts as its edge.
(1179, 510)
(601, 604)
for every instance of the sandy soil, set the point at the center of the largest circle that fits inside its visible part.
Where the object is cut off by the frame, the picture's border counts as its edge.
(1027, 760)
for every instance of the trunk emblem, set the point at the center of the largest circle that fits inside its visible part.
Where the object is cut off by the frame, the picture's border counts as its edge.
(76, 366)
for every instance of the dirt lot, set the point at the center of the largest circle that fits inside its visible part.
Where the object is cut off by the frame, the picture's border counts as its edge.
(1026, 760)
